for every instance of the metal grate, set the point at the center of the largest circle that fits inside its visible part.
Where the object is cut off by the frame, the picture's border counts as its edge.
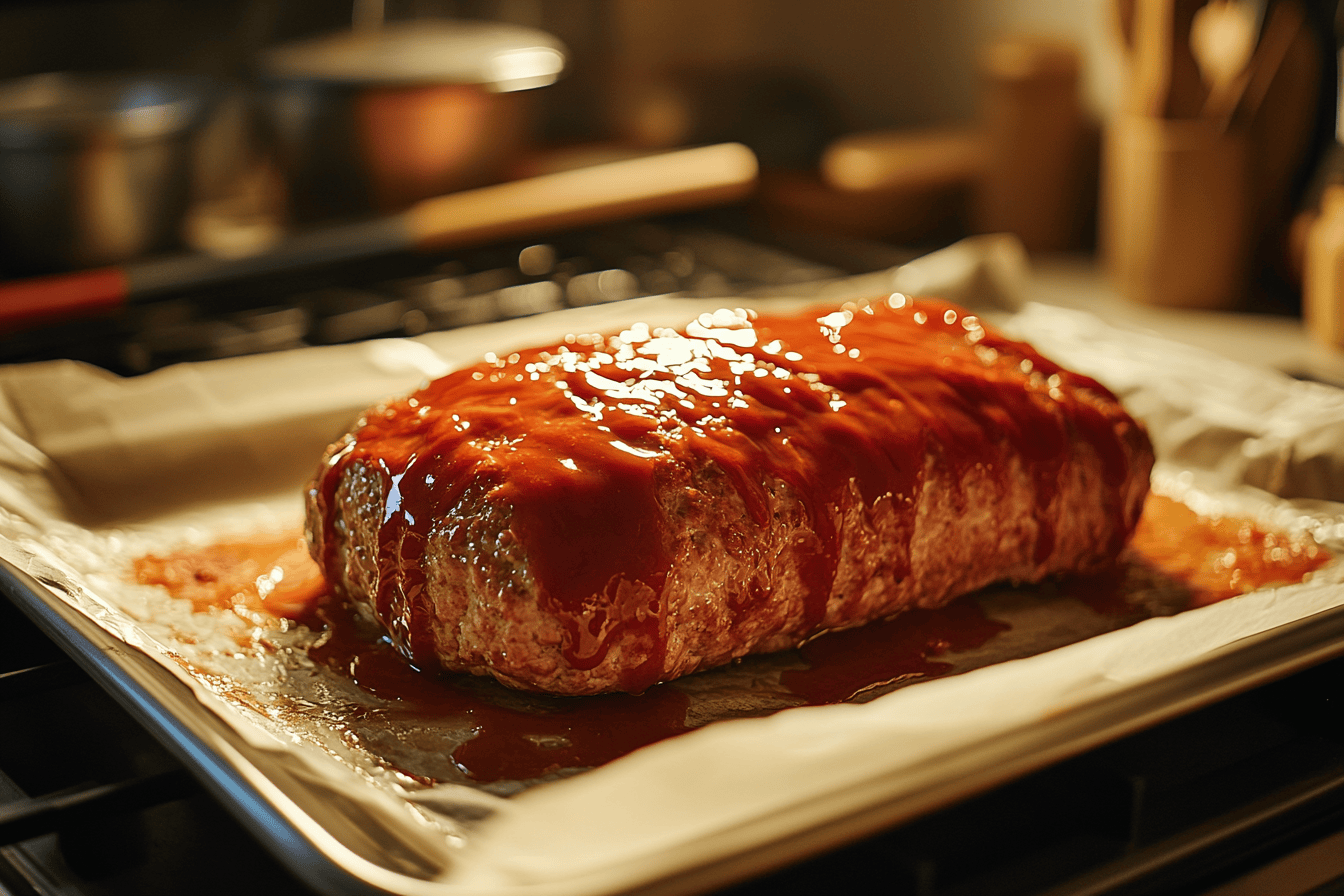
(407, 295)
(91, 804)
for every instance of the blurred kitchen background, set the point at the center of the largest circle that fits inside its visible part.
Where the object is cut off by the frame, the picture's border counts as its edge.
(1184, 148)
(187, 180)
(891, 64)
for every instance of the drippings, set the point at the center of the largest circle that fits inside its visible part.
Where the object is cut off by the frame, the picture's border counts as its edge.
(844, 665)
(265, 577)
(522, 736)
(1218, 558)
(517, 736)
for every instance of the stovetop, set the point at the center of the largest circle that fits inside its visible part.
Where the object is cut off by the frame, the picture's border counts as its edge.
(1245, 796)
(410, 294)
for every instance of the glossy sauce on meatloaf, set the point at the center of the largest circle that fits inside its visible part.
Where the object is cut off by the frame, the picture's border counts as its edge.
(572, 437)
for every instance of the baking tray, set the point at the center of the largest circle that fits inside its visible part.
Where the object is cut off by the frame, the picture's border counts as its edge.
(318, 846)
(718, 804)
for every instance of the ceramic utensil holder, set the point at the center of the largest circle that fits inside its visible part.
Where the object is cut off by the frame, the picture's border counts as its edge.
(1178, 216)
(1035, 169)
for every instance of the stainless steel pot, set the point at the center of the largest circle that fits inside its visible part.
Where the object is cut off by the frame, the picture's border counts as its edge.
(95, 169)
(374, 119)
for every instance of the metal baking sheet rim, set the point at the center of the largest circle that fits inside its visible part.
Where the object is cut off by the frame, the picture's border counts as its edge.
(241, 778)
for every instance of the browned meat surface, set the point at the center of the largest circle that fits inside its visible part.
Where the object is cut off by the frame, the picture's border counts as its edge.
(619, 510)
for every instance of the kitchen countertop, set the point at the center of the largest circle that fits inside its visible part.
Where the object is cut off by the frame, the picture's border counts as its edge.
(1266, 340)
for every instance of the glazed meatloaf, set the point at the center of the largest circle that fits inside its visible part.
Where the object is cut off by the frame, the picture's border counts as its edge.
(618, 510)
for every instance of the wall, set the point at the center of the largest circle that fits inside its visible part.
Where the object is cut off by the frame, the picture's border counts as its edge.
(890, 63)
(887, 63)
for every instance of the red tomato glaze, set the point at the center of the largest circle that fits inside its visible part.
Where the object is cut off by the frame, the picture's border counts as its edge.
(571, 437)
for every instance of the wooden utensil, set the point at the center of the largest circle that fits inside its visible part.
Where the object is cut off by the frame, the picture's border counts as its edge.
(1235, 102)
(1165, 80)
(656, 184)
(1194, 195)
(915, 160)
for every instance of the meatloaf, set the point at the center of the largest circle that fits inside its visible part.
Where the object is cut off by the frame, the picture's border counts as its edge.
(622, 509)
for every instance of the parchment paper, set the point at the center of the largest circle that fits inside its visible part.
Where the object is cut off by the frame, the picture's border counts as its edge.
(95, 470)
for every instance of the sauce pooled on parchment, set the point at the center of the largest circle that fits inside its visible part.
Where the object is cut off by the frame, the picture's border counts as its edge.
(1212, 558)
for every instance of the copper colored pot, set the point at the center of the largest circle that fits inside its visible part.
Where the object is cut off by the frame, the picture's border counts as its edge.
(373, 120)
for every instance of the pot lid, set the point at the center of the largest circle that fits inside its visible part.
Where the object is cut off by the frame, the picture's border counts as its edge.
(64, 108)
(498, 56)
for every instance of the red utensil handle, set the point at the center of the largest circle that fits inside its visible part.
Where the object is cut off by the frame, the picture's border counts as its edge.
(24, 303)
